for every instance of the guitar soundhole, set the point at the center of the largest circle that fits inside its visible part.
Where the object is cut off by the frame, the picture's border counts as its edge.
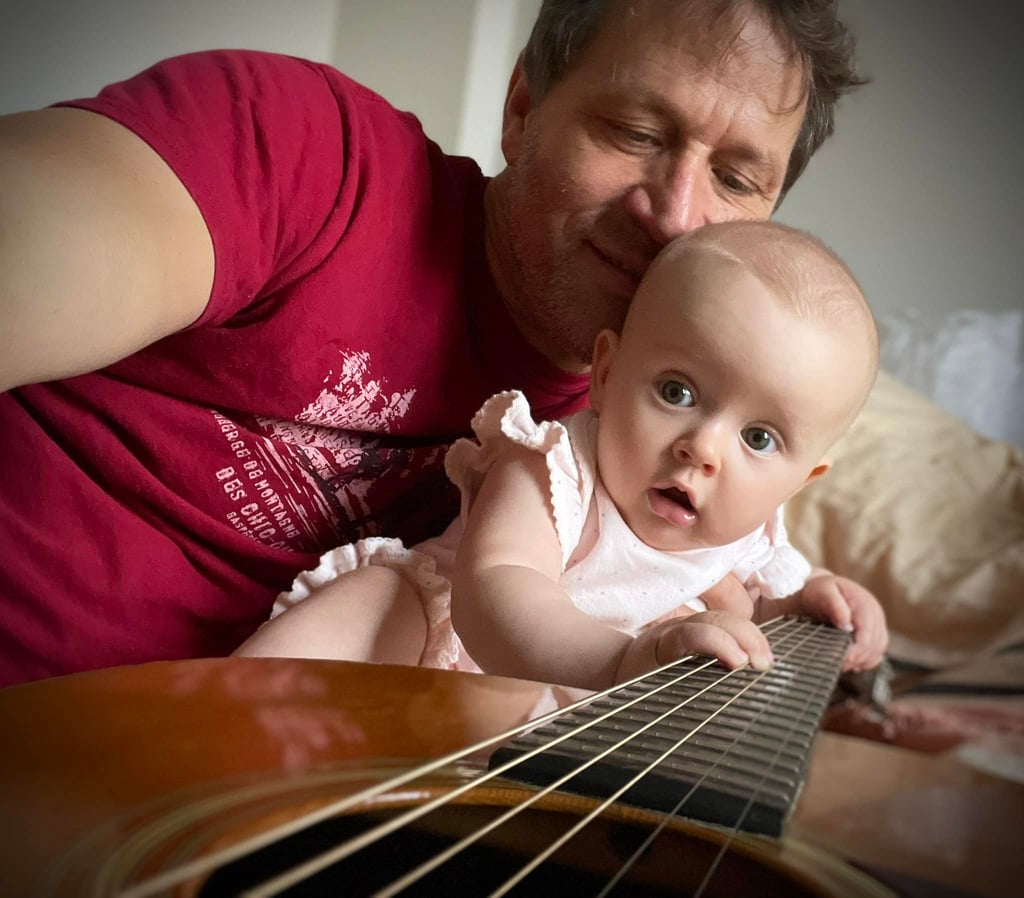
(674, 864)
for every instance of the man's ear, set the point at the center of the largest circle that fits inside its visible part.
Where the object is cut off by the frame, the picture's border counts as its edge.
(604, 351)
(517, 107)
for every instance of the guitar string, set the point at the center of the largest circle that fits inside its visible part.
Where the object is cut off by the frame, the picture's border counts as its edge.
(202, 865)
(320, 862)
(176, 875)
(199, 866)
(416, 874)
(739, 822)
(421, 871)
(727, 843)
(572, 831)
(677, 808)
(746, 810)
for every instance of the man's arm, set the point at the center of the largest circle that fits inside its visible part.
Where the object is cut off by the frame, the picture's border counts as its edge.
(102, 250)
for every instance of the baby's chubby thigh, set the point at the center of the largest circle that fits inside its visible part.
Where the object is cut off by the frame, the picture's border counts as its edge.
(372, 613)
(386, 621)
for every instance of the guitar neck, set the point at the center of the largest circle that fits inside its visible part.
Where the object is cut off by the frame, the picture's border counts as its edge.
(722, 747)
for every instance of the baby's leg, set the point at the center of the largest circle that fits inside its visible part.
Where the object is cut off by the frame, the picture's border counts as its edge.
(368, 614)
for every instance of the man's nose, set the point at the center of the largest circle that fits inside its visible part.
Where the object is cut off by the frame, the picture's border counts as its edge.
(700, 448)
(675, 197)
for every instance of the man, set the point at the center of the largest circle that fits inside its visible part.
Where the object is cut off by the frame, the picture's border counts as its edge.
(247, 305)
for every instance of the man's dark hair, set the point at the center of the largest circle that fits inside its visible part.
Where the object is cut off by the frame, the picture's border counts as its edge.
(810, 28)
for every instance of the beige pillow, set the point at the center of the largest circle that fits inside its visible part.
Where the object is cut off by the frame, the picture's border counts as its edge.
(928, 515)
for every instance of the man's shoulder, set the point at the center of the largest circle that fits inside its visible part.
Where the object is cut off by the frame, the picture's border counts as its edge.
(213, 82)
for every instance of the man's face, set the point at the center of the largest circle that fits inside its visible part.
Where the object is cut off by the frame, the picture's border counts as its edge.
(649, 135)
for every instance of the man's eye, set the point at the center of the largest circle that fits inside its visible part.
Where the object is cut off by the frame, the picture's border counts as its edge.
(758, 439)
(676, 393)
(635, 138)
(735, 184)
(639, 136)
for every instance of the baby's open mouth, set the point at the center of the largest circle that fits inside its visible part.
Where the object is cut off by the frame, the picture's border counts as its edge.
(679, 497)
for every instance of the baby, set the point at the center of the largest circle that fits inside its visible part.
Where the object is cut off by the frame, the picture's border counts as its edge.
(649, 527)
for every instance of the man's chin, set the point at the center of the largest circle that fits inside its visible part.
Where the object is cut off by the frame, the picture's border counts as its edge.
(562, 347)
(565, 328)
(572, 361)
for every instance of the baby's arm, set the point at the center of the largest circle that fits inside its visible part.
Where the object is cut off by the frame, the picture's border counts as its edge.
(729, 594)
(508, 608)
(516, 620)
(844, 604)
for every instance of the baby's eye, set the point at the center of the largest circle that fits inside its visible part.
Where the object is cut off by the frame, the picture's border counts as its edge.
(758, 439)
(675, 392)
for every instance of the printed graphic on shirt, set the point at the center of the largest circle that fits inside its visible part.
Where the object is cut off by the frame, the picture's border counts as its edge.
(324, 478)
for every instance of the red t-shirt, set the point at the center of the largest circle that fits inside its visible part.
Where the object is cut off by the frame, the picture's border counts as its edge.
(154, 508)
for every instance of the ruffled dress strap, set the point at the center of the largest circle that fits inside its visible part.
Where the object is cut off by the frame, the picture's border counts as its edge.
(504, 421)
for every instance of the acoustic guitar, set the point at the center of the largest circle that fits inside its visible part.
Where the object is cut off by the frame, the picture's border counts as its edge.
(271, 776)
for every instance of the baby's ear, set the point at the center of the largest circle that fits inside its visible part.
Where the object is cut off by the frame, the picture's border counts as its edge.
(820, 468)
(601, 362)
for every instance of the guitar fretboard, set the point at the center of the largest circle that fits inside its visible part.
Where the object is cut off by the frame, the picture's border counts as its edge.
(722, 747)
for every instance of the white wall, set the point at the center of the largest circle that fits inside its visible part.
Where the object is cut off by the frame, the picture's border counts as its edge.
(500, 31)
(446, 60)
(414, 53)
(59, 49)
(922, 186)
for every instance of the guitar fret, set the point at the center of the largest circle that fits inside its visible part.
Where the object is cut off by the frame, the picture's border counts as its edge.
(696, 761)
(713, 747)
(765, 738)
(786, 769)
(733, 745)
(743, 719)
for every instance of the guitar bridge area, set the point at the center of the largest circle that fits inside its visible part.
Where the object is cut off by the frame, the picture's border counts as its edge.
(728, 748)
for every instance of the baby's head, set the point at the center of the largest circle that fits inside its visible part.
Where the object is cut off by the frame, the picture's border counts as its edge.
(747, 352)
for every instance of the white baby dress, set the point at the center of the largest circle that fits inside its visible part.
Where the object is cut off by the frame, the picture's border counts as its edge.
(608, 572)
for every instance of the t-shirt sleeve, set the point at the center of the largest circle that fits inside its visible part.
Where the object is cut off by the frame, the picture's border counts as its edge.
(259, 141)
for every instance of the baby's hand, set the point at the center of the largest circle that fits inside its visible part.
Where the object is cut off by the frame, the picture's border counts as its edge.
(731, 639)
(848, 606)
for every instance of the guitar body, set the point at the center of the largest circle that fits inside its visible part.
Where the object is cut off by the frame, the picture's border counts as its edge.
(225, 748)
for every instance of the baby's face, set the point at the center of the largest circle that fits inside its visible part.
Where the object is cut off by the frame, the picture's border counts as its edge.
(716, 405)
